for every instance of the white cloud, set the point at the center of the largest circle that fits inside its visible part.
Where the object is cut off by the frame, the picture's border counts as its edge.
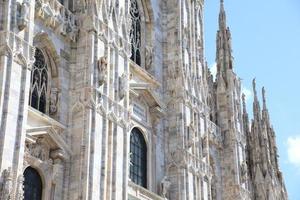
(247, 92)
(293, 150)
(213, 70)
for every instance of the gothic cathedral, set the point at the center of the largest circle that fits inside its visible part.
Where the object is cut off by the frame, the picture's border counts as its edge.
(113, 100)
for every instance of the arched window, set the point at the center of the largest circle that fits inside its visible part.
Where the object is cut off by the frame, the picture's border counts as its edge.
(135, 32)
(138, 158)
(33, 186)
(39, 82)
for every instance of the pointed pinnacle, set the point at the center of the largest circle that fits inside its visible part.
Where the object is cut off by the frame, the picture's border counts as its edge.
(254, 88)
(222, 16)
(244, 102)
(264, 98)
(222, 10)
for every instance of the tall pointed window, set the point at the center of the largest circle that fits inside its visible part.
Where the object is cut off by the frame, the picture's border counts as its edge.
(33, 186)
(39, 82)
(138, 158)
(135, 32)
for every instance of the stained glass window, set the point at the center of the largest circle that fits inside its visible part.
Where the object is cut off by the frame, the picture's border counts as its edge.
(39, 82)
(135, 32)
(33, 186)
(138, 158)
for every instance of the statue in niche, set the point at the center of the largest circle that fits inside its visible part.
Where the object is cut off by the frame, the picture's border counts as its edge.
(149, 57)
(122, 85)
(82, 6)
(102, 70)
(7, 185)
(54, 98)
(164, 186)
(244, 170)
(24, 15)
(20, 188)
(185, 36)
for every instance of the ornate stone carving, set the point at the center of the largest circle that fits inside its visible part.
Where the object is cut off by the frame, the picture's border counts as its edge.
(164, 186)
(23, 18)
(56, 16)
(69, 26)
(178, 157)
(54, 99)
(6, 185)
(122, 86)
(149, 57)
(102, 70)
(38, 150)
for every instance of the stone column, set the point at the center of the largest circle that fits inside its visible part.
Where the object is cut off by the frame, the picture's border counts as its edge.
(16, 59)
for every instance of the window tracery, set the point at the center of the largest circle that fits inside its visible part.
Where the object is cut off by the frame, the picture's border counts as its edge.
(138, 158)
(135, 32)
(39, 82)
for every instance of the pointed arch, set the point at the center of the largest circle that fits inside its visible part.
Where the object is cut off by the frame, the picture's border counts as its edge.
(44, 74)
(39, 82)
(138, 158)
(33, 185)
(135, 32)
(42, 41)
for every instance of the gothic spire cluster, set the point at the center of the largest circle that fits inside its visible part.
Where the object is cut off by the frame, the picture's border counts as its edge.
(264, 177)
(262, 152)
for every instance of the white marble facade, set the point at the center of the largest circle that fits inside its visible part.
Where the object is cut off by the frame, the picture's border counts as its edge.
(113, 99)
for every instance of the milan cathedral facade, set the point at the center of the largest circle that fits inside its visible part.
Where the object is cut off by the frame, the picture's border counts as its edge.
(113, 100)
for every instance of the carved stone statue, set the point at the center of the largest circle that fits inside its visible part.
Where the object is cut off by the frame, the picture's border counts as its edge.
(149, 57)
(38, 150)
(102, 70)
(164, 186)
(122, 85)
(54, 98)
(243, 172)
(24, 12)
(7, 185)
(20, 188)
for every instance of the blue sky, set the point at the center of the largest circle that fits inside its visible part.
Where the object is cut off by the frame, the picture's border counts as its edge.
(266, 45)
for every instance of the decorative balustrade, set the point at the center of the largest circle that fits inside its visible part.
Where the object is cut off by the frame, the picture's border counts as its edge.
(56, 16)
(21, 50)
(141, 193)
